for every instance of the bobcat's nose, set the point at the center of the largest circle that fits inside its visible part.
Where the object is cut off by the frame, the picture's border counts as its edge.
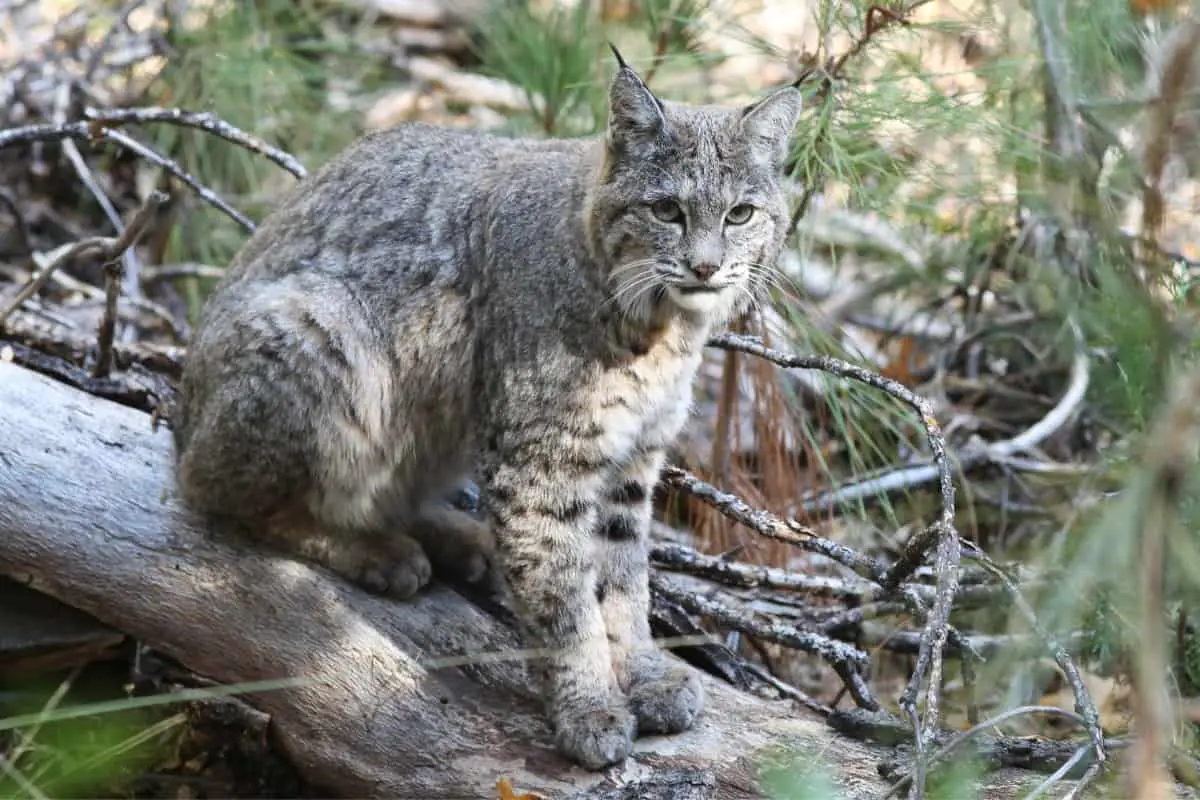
(704, 270)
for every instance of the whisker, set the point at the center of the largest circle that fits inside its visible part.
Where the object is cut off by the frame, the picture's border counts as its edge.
(771, 279)
(641, 276)
(754, 304)
(778, 277)
(639, 296)
(623, 284)
(637, 262)
(629, 292)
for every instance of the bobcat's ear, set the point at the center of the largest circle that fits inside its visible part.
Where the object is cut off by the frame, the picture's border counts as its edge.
(768, 124)
(636, 120)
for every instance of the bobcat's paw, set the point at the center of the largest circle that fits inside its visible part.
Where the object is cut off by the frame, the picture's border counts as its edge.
(397, 568)
(457, 543)
(402, 578)
(475, 568)
(596, 738)
(667, 700)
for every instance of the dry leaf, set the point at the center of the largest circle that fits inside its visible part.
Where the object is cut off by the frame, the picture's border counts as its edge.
(905, 357)
(506, 792)
(1144, 7)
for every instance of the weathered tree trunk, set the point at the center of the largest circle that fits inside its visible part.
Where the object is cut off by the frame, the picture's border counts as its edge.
(86, 516)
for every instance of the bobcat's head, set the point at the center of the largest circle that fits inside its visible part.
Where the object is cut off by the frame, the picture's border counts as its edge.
(689, 212)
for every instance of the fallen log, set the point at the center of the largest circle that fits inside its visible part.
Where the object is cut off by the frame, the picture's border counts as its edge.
(86, 516)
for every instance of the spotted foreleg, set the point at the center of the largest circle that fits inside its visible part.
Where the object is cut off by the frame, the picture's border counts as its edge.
(665, 697)
(543, 521)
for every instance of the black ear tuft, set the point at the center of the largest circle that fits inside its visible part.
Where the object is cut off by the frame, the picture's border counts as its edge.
(617, 54)
(637, 121)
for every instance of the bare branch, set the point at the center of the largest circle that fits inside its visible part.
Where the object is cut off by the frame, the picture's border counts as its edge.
(107, 248)
(1002, 452)
(204, 121)
(1059, 773)
(73, 284)
(685, 559)
(83, 171)
(88, 131)
(98, 126)
(767, 524)
(1083, 698)
(1085, 782)
(949, 550)
(974, 730)
(158, 159)
(112, 271)
(789, 691)
(46, 132)
(846, 660)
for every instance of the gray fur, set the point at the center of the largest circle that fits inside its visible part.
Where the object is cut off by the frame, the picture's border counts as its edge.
(436, 303)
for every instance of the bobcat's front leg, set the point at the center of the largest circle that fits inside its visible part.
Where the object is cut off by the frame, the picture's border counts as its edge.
(543, 525)
(664, 697)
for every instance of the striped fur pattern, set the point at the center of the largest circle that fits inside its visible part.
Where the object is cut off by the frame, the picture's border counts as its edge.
(436, 303)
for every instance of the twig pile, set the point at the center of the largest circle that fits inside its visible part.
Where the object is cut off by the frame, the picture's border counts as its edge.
(876, 588)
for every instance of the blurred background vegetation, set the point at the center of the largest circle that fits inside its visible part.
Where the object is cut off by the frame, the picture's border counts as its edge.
(996, 205)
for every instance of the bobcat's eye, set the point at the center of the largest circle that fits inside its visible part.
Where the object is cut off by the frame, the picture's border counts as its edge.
(740, 214)
(667, 211)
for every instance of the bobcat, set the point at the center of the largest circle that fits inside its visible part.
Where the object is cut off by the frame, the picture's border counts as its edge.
(437, 303)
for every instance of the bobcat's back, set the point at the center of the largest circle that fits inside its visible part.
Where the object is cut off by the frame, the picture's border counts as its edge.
(341, 338)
